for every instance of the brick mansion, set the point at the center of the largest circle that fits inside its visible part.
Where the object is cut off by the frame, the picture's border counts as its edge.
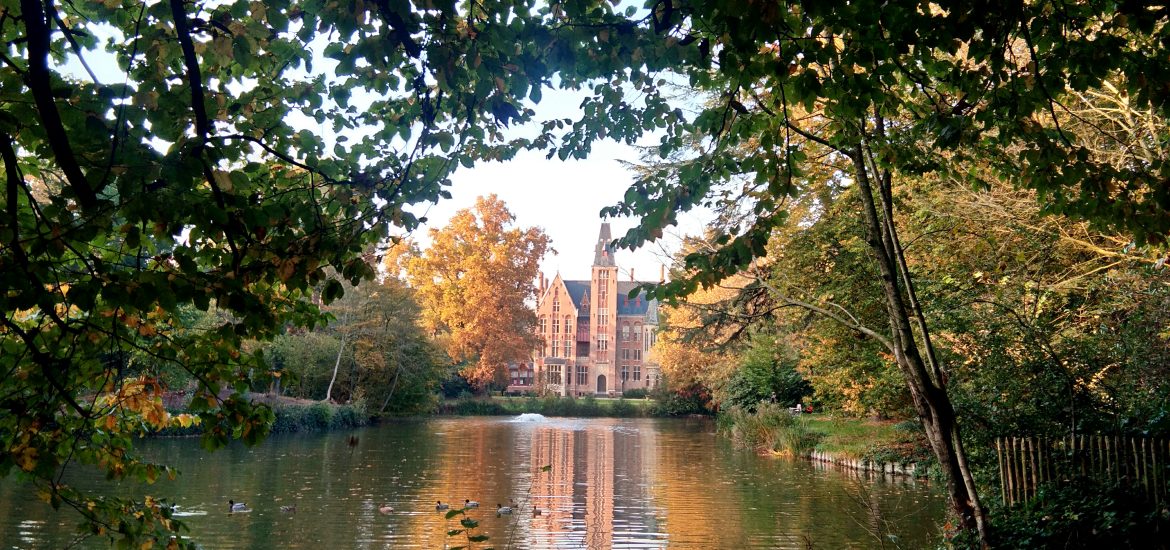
(597, 340)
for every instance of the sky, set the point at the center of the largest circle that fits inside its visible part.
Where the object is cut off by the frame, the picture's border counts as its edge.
(563, 198)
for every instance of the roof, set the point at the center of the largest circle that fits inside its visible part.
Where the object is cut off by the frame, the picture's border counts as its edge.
(638, 305)
(577, 291)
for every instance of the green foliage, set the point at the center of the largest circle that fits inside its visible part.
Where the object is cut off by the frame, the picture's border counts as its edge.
(467, 528)
(218, 164)
(636, 393)
(767, 373)
(1083, 514)
(770, 426)
(474, 407)
(622, 409)
(588, 406)
(686, 402)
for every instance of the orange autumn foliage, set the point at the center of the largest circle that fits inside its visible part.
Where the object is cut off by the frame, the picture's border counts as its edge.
(475, 283)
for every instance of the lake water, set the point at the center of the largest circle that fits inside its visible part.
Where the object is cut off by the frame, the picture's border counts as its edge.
(598, 483)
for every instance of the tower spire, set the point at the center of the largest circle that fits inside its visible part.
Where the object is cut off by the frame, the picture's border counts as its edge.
(603, 251)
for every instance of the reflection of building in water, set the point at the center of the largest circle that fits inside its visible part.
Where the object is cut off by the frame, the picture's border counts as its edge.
(588, 470)
(689, 519)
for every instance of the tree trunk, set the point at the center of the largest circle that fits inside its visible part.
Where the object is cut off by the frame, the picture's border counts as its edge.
(928, 394)
(336, 364)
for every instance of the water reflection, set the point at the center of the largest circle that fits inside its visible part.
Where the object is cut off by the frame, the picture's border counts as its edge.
(598, 483)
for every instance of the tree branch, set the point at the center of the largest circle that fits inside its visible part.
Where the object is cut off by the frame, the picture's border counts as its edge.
(39, 82)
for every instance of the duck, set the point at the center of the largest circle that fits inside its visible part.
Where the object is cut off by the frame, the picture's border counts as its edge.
(385, 509)
(468, 503)
(501, 509)
(440, 506)
(289, 509)
(234, 506)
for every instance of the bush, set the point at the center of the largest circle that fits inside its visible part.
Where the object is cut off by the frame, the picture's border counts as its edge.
(622, 409)
(770, 427)
(318, 417)
(636, 393)
(589, 407)
(676, 404)
(1084, 514)
(474, 407)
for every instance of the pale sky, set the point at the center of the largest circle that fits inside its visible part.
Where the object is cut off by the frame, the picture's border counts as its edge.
(564, 198)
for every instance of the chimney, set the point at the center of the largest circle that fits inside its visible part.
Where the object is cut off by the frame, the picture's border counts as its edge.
(540, 290)
(661, 273)
(632, 275)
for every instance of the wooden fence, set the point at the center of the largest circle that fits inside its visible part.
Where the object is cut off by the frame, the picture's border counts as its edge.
(1027, 462)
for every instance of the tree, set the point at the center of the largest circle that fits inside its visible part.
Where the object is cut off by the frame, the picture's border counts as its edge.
(892, 90)
(475, 283)
(221, 159)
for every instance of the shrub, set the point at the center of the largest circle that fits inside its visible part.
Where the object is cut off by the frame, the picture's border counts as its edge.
(589, 407)
(318, 417)
(676, 404)
(770, 427)
(622, 409)
(1083, 514)
(474, 407)
(636, 393)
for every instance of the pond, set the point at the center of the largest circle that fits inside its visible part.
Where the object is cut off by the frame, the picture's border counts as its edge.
(598, 483)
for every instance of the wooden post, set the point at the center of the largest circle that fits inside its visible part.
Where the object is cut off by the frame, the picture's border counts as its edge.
(1002, 474)
(1032, 462)
(1145, 470)
(1117, 458)
(1136, 477)
(1015, 470)
(1109, 462)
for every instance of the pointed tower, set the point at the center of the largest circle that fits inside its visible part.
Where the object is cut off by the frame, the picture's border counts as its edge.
(603, 321)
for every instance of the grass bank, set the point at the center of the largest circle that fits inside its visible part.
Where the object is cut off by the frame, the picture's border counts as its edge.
(296, 416)
(771, 428)
(587, 406)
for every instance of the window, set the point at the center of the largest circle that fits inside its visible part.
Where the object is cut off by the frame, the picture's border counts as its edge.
(637, 354)
(568, 342)
(556, 306)
(554, 347)
(625, 372)
(636, 333)
(625, 353)
(568, 325)
(554, 374)
(637, 372)
(625, 331)
(581, 375)
(602, 316)
(602, 342)
(542, 323)
(556, 325)
(602, 287)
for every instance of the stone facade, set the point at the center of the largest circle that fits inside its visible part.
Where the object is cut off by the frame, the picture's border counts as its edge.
(597, 340)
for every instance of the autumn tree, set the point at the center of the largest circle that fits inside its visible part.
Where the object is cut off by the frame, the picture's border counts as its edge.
(228, 154)
(892, 90)
(476, 282)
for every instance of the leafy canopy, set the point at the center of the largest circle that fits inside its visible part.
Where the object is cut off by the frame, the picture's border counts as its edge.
(475, 282)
